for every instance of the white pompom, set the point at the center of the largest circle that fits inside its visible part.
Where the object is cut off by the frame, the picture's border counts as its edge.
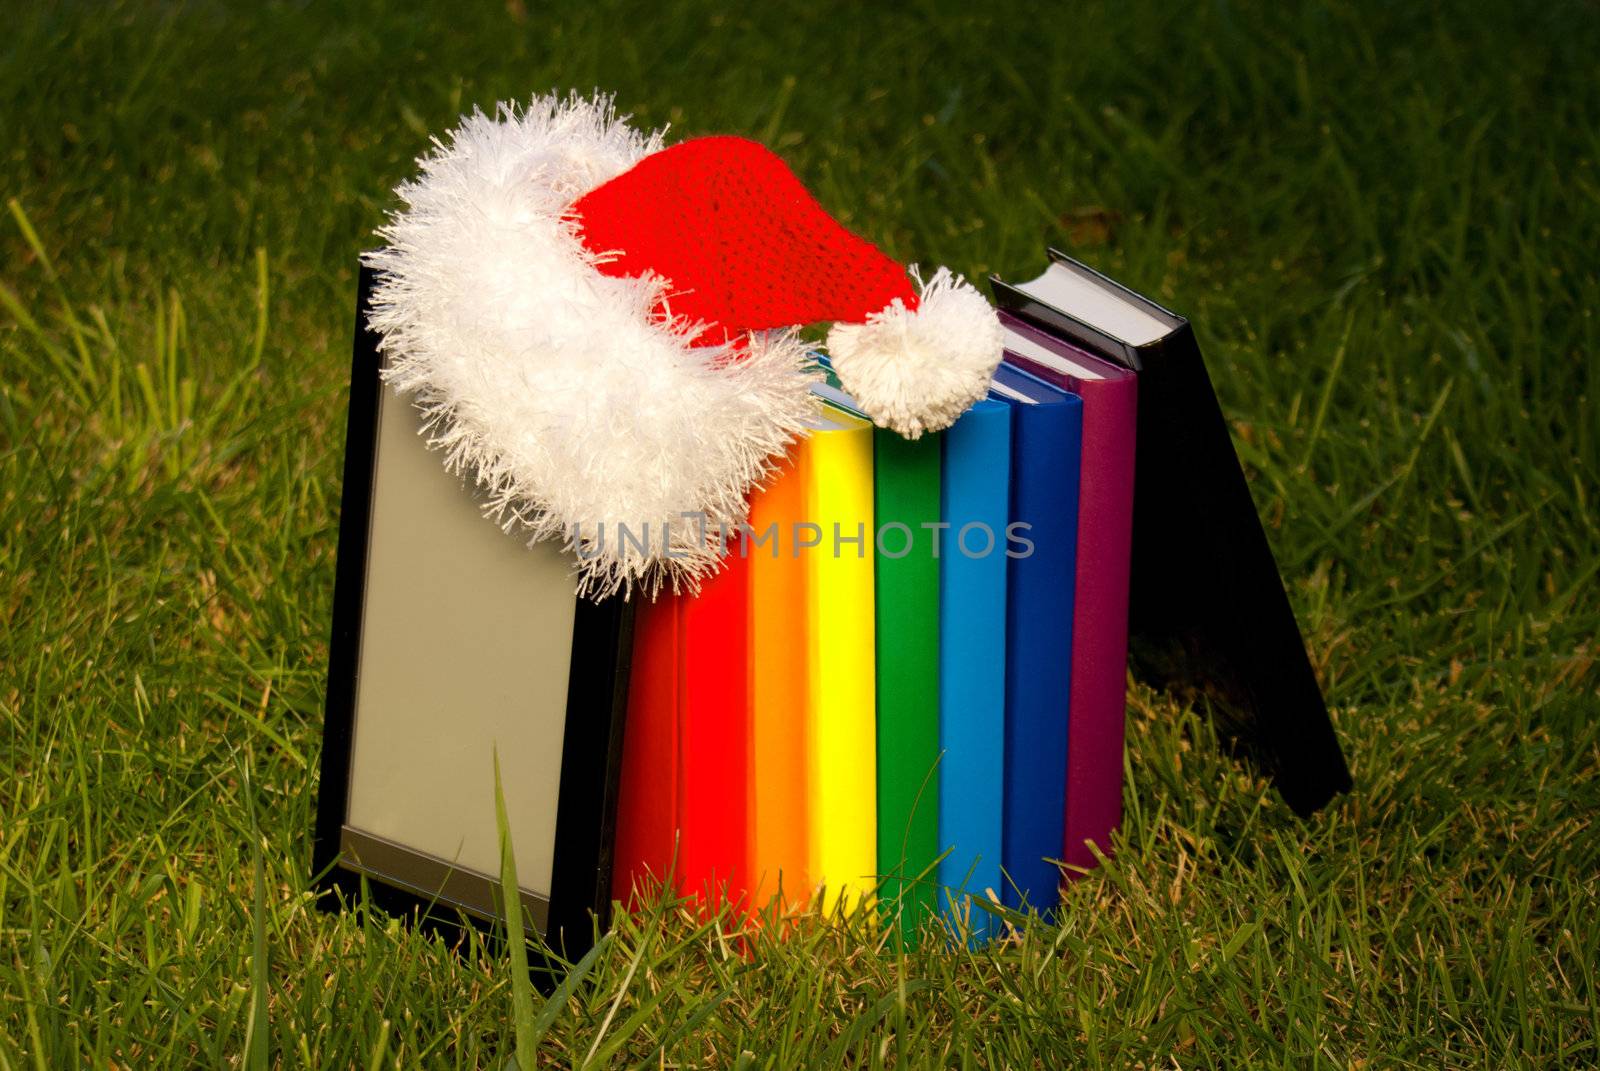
(917, 370)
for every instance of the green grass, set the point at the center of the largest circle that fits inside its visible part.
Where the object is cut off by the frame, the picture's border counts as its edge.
(1384, 223)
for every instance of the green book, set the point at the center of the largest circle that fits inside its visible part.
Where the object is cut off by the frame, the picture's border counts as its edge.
(906, 498)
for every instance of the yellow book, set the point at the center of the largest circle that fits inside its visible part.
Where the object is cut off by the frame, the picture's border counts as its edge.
(841, 760)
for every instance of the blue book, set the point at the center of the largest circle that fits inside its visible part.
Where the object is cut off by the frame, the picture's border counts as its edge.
(1046, 448)
(972, 653)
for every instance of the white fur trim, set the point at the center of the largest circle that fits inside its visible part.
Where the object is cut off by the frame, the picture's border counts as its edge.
(555, 387)
(917, 370)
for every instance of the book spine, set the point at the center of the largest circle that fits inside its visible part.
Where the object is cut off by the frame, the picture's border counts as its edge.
(1039, 647)
(907, 512)
(778, 689)
(713, 740)
(647, 801)
(1100, 619)
(841, 757)
(977, 462)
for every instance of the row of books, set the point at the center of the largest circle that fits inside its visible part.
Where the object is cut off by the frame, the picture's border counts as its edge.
(910, 679)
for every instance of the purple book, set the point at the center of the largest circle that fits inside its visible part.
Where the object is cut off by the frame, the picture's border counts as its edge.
(1098, 701)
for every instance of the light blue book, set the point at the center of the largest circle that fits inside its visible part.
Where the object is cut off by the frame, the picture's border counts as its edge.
(972, 659)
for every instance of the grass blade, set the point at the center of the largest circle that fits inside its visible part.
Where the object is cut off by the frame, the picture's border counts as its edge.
(259, 343)
(256, 1056)
(522, 1020)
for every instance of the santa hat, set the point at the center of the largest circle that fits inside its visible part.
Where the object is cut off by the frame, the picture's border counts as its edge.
(600, 330)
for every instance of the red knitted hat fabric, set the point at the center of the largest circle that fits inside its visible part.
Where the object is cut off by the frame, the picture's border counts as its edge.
(744, 246)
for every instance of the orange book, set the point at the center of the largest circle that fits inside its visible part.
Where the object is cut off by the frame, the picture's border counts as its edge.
(778, 852)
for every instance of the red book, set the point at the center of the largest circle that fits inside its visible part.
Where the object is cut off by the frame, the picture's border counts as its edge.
(714, 735)
(682, 803)
(647, 798)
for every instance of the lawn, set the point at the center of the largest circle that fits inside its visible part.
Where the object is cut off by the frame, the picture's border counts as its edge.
(1383, 221)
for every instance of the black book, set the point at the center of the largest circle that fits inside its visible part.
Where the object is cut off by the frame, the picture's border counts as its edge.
(453, 643)
(1207, 607)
